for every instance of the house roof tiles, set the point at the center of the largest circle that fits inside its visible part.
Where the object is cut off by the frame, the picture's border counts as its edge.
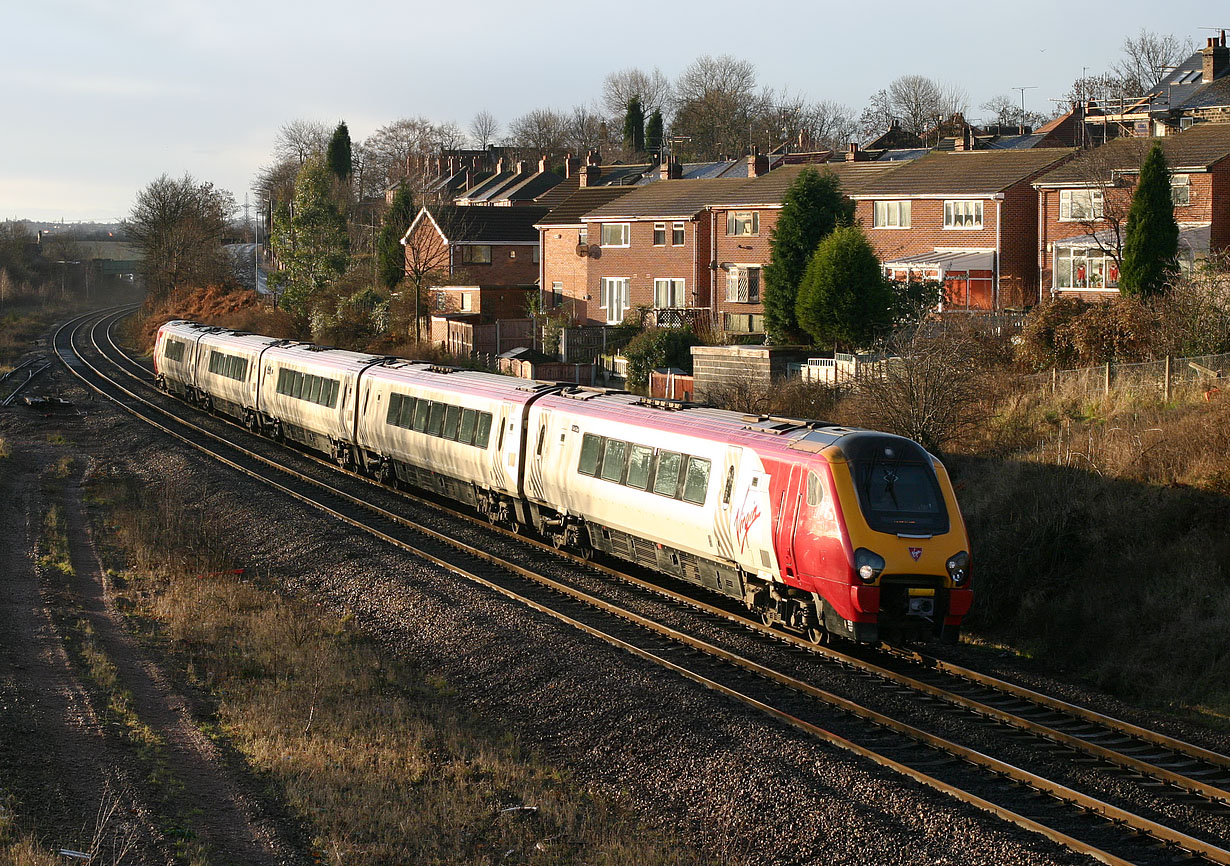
(1195, 149)
(975, 172)
(488, 225)
(580, 203)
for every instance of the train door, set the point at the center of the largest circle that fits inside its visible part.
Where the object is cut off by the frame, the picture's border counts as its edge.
(729, 514)
(786, 516)
(538, 458)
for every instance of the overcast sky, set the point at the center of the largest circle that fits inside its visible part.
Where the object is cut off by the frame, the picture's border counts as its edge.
(100, 97)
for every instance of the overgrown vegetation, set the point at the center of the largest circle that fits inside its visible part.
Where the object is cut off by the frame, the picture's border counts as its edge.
(372, 753)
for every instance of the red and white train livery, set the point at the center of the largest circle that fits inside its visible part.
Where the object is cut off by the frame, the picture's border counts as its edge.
(827, 530)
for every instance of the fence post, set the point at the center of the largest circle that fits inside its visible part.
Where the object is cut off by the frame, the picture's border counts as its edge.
(1106, 388)
(1166, 386)
(1054, 379)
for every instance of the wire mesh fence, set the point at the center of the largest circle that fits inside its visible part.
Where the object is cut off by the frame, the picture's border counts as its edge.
(1164, 376)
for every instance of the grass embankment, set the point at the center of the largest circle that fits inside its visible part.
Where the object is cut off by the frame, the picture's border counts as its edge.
(372, 754)
(1099, 527)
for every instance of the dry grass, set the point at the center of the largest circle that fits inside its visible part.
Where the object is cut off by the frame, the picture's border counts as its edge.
(5, 450)
(371, 753)
(1098, 527)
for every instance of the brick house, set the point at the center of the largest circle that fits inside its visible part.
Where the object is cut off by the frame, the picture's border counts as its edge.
(479, 261)
(686, 249)
(1084, 205)
(564, 241)
(967, 218)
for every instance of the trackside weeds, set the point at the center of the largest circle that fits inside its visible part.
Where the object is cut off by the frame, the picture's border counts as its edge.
(367, 751)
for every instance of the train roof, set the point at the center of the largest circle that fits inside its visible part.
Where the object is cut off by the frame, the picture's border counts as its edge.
(460, 381)
(764, 432)
(323, 357)
(239, 340)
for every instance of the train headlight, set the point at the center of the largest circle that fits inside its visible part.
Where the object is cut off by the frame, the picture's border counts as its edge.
(958, 568)
(868, 565)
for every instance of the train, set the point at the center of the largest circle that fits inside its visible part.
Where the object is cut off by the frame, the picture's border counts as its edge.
(824, 530)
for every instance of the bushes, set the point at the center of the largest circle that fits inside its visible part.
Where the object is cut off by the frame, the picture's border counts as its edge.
(1069, 332)
(658, 347)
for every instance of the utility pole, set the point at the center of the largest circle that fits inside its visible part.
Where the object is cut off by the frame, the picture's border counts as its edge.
(1022, 90)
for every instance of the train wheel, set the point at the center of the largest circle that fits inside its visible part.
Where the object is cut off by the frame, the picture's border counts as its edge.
(386, 473)
(819, 635)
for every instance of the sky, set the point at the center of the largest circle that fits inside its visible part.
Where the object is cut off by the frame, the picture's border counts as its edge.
(100, 98)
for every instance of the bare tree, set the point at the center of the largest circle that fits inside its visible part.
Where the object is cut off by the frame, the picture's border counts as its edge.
(448, 135)
(916, 101)
(1006, 111)
(484, 128)
(300, 140)
(585, 130)
(178, 226)
(929, 389)
(389, 153)
(653, 88)
(831, 124)
(1147, 59)
(877, 116)
(954, 99)
(542, 131)
(1104, 214)
(717, 105)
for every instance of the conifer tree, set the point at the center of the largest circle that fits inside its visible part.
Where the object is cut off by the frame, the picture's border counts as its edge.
(811, 209)
(392, 255)
(1151, 236)
(310, 240)
(338, 155)
(843, 297)
(634, 126)
(653, 132)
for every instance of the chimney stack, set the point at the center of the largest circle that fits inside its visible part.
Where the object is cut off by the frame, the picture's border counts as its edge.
(856, 155)
(572, 164)
(966, 139)
(522, 166)
(1216, 58)
(757, 163)
(670, 170)
(588, 176)
(499, 165)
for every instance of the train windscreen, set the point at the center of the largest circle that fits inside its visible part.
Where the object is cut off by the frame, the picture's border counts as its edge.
(897, 488)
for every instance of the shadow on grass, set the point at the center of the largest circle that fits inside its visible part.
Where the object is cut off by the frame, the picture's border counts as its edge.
(1123, 583)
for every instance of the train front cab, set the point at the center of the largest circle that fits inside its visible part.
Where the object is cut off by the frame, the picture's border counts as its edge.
(903, 567)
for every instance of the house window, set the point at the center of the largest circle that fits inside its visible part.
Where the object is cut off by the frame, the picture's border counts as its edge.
(1080, 204)
(466, 304)
(1180, 190)
(742, 223)
(891, 215)
(1077, 268)
(615, 234)
(535, 256)
(743, 284)
(668, 293)
(659, 234)
(476, 254)
(677, 235)
(557, 294)
(583, 237)
(615, 292)
(963, 214)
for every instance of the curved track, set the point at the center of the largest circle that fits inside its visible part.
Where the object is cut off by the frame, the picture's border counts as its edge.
(1195, 779)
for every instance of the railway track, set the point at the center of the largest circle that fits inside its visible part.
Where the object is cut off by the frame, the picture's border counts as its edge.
(1181, 777)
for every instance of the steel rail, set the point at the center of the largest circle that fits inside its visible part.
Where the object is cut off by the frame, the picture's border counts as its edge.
(1059, 792)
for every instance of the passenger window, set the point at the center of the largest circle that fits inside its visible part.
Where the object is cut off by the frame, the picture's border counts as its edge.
(591, 445)
(483, 435)
(420, 415)
(730, 485)
(452, 417)
(297, 385)
(666, 482)
(815, 490)
(697, 484)
(435, 421)
(613, 460)
(394, 409)
(542, 438)
(638, 467)
(465, 433)
(405, 418)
